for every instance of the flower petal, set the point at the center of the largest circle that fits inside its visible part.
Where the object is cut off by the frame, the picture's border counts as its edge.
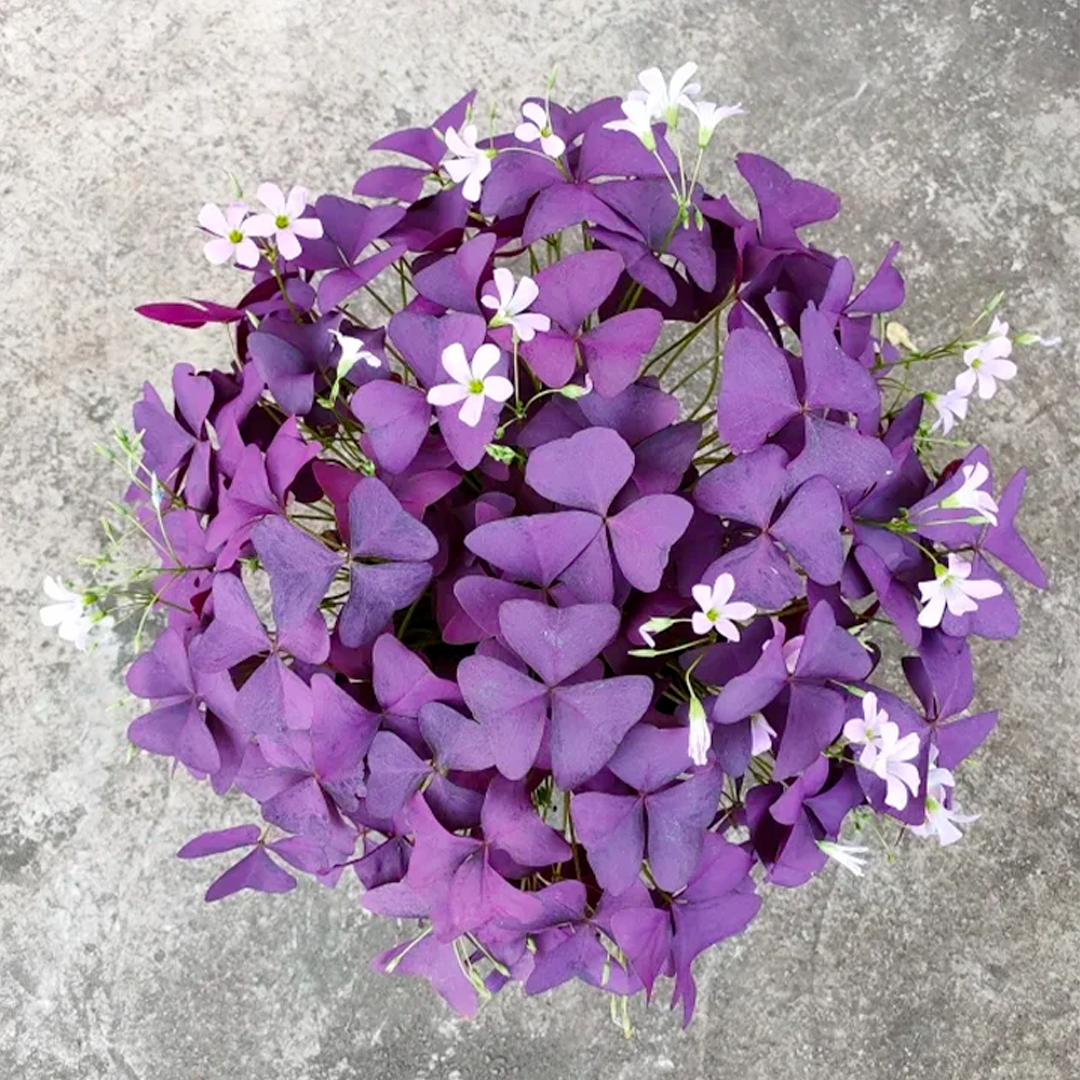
(484, 359)
(272, 197)
(456, 365)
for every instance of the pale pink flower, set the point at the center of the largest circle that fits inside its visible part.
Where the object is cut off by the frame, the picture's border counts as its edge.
(950, 406)
(953, 589)
(512, 303)
(717, 612)
(537, 125)
(469, 164)
(941, 819)
(232, 231)
(866, 729)
(283, 222)
(987, 361)
(890, 758)
(471, 382)
(971, 495)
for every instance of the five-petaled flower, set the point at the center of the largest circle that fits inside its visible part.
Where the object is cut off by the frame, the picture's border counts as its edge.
(233, 232)
(537, 125)
(987, 361)
(472, 383)
(663, 99)
(283, 222)
(511, 305)
(718, 612)
(637, 119)
(71, 613)
(890, 759)
(469, 164)
(884, 752)
(942, 814)
(866, 729)
(951, 406)
(953, 589)
(709, 115)
(971, 496)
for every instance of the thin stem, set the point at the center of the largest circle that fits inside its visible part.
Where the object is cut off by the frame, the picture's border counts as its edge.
(379, 300)
(284, 291)
(517, 381)
(569, 824)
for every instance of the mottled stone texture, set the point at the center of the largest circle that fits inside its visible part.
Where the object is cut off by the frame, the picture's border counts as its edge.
(950, 125)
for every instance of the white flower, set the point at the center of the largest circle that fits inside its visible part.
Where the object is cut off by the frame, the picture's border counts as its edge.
(951, 407)
(700, 735)
(987, 360)
(353, 351)
(890, 758)
(866, 729)
(283, 221)
(638, 121)
(537, 125)
(951, 589)
(970, 494)
(849, 856)
(762, 734)
(709, 115)
(664, 98)
(233, 234)
(941, 820)
(70, 612)
(472, 383)
(512, 303)
(884, 753)
(716, 612)
(469, 165)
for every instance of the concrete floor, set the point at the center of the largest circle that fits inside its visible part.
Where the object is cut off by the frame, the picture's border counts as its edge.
(950, 125)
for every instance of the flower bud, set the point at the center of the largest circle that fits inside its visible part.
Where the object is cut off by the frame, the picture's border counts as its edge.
(897, 334)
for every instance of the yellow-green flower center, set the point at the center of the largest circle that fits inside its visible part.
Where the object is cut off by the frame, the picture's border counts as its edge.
(476, 386)
(235, 236)
(281, 222)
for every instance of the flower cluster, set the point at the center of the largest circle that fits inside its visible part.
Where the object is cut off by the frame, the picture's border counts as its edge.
(476, 610)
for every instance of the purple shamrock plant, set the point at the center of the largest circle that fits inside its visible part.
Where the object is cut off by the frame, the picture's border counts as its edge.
(452, 583)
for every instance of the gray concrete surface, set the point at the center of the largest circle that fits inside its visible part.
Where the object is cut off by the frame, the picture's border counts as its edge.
(951, 125)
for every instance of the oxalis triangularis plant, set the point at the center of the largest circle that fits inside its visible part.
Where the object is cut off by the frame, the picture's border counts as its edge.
(529, 558)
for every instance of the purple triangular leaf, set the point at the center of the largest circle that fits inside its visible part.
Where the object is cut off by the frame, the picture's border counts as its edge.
(584, 472)
(589, 720)
(643, 534)
(300, 569)
(757, 395)
(535, 549)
